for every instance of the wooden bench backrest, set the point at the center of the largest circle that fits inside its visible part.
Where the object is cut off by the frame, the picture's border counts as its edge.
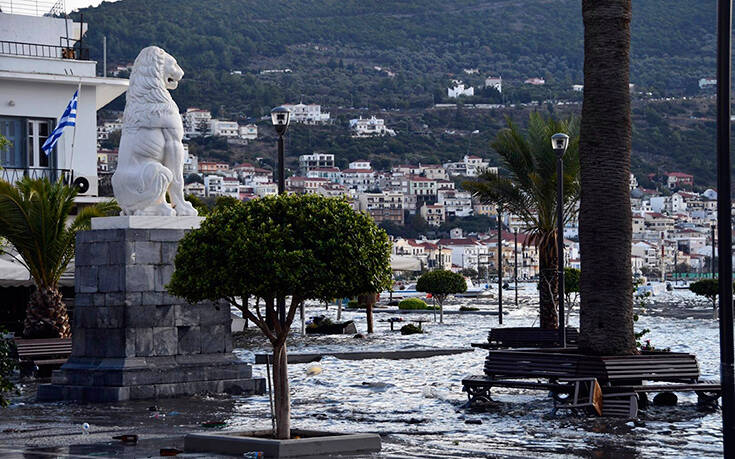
(42, 347)
(529, 337)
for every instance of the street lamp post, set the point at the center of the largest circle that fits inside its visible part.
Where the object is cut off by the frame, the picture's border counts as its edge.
(724, 223)
(281, 117)
(515, 263)
(500, 269)
(560, 142)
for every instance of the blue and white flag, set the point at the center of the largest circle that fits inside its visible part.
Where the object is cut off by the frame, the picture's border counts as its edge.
(69, 118)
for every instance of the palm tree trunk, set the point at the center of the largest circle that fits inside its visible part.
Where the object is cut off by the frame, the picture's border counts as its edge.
(549, 318)
(281, 394)
(605, 232)
(46, 315)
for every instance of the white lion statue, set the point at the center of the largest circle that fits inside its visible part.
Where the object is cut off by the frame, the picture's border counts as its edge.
(151, 156)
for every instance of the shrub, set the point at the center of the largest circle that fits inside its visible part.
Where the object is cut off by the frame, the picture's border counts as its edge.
(413, 303)
(7, 366)
(468, 308)
(354, 304)
(410, 329)
(441, 283)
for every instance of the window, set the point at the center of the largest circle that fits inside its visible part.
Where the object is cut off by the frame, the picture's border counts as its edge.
(27, 137)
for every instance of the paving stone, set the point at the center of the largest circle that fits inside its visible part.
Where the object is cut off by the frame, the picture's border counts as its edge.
(213, 338)
(118, 252)
(152, 298)
(109, 317)
(186, 315)
(144, 341)
(115, 299)
(163, 277)
(111, 278)
(140, 278)
(139, 316)
(147, 253)
(98, 253)
(164, 316)
(133, 298)
(86, 279)
(165, 341)
(168, 252)
(189, 340)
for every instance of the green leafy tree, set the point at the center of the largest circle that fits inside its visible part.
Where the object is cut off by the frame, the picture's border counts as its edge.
(441, 283)
(33, 219)
(708, 288)
(529, 191)
(302, 246)
(571, 289)
(7, 366)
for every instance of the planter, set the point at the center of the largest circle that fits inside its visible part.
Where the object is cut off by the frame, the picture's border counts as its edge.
(323, 326)
(309, 444)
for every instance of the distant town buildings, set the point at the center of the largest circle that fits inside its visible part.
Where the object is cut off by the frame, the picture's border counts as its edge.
(494, 82)
(459, 90)
(307, 113)
(535, 81)
(369, 127)
(315, 161)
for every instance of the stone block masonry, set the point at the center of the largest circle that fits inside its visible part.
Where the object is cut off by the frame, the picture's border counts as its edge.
(133, 340)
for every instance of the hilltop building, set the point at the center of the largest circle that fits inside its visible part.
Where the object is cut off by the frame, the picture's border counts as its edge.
(494, 82)
(315, 161)
(307, 114)
(459, 90)
(369, 127)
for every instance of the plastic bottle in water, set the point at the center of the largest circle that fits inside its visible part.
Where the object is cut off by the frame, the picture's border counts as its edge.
(254, 455)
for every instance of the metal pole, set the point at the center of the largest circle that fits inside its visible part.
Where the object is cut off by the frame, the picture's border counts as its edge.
(560, 244)
(104, 56)
(515, 264)
(281, 190)
(724, 219)
(500, 269)
(712, 261)
(281, 167)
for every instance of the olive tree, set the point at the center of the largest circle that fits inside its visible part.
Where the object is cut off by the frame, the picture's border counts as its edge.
(302, 246)
(707, 288)
(441, 283)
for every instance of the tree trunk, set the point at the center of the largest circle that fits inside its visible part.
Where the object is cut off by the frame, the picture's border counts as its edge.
(369, 300)
(46, 315)
(605, 231)
(281, 395)
(548, 286)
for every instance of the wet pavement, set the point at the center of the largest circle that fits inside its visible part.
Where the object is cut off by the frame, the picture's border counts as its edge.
(414, 404)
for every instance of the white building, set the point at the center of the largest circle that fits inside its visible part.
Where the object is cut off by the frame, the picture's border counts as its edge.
(470, 166)
(307, 113)
(707, 82)
(108, 127)
(220, 128)
(195, 189)
(459, 89)
(456, 203)
(535, 81)
(213, 185)
(369, 127)
(196, 122)
(332, 174)
(494, 82)
(248, 131)
(34, 92)
(191, 162)
(358, 179)
(577, 87)
(315, 161)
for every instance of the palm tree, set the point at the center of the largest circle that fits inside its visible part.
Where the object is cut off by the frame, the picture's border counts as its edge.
(605, 232)
(33, 218)
(529, 191)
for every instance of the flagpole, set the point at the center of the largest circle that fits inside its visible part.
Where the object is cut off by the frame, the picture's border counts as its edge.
(74, 134)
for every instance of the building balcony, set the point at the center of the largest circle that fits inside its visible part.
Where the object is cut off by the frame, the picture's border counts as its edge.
(71, 51)
(13, 174)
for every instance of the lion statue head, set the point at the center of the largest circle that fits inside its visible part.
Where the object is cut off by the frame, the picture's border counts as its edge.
(148, 102)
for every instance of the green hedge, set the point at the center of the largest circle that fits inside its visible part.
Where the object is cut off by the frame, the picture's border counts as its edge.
(414, 303)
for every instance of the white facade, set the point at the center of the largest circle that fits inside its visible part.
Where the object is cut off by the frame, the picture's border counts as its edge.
(456, 203)
(459, 89)
(707, 82)
(248, 131)
(196, 122)
(191, 162)
(494, 82)
(307, 113)
(369, 127)
(213, 185)
(220, 128)
(315, 161)
(34, 92)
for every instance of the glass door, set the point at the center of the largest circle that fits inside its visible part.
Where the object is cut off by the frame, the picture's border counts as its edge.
(37, 131)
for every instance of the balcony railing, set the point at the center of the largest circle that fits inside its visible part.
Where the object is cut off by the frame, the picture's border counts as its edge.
(13, 174)
(17, 48)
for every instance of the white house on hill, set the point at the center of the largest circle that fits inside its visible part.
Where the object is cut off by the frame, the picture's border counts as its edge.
(37, 81)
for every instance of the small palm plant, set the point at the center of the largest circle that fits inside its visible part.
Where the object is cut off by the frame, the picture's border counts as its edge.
(33, 219)
(529, 191)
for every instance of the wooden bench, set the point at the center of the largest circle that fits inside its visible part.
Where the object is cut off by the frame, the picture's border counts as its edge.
(39, 356)
(573, 393)
(526, 337)
(618, 376)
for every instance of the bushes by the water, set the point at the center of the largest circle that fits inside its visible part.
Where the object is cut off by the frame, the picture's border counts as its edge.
(468, 308)
(410, 329)
(413, 303)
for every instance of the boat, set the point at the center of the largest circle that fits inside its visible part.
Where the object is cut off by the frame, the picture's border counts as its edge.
(474, 291)
(402, 291)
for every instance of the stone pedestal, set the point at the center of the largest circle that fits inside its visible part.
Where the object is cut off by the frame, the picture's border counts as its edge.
(131, 339)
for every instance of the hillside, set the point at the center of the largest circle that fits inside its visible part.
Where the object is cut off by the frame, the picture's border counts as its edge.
(340, 52)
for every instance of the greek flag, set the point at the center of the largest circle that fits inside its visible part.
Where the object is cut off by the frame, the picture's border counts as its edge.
(69, 118)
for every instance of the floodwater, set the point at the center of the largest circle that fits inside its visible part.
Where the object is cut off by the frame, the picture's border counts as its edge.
(416, 404)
